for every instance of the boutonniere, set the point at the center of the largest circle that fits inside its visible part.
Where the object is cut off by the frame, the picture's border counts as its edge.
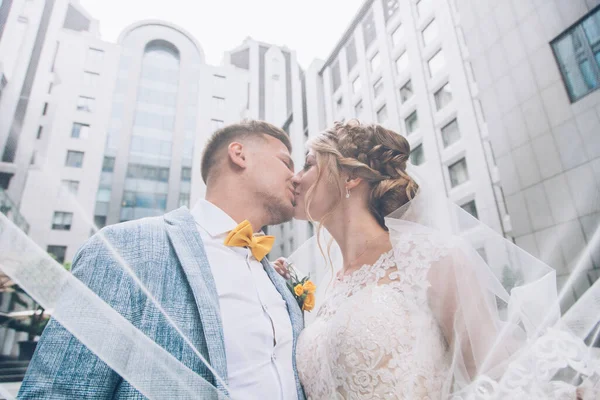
(303, 289)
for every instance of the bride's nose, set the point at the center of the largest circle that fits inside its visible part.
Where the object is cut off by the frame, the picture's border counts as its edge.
(296, 179)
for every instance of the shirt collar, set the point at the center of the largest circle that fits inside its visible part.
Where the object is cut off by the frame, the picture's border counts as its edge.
(212, 219)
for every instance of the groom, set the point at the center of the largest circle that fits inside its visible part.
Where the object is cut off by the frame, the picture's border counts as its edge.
(206, 271)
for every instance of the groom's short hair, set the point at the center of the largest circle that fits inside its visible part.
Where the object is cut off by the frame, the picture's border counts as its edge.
(242, 130)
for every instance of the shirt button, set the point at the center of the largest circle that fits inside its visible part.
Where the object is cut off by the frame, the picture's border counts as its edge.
(273, 358)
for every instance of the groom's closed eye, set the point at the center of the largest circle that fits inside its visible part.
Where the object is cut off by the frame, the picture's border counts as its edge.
(288, 163)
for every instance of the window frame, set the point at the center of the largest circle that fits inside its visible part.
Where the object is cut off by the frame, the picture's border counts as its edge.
(588, 52)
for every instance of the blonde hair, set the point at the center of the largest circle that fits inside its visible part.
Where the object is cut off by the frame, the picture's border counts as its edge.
(371, 152)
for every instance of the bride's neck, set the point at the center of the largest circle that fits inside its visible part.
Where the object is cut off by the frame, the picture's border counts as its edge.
(358, 234)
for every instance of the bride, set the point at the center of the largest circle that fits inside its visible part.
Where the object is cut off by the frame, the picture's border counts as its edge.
(413, 311)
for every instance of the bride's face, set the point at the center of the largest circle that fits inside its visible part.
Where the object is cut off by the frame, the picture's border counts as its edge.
(324, 195)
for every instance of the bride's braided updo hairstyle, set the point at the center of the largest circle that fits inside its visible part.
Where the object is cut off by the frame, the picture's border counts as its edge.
(371, 152)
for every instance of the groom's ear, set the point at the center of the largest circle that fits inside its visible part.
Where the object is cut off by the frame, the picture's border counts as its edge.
(236, 154)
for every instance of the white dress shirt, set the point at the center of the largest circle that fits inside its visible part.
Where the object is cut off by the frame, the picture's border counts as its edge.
(256, 325)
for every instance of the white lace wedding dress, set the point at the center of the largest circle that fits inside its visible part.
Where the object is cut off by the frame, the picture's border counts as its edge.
(375, 336)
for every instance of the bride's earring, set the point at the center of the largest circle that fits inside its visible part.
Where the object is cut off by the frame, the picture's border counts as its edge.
(347, 193)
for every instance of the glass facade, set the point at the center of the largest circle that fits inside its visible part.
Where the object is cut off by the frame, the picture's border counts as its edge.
(578, 54)
(147, 179)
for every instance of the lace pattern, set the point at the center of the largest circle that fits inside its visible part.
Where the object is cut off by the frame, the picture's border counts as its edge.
(375, 336)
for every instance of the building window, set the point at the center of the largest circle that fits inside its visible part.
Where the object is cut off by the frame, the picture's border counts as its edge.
(85, 104)
(356, 85)
(80, 131)
(389, 8)
(45, 110)
(436, 63)
(39, 132)
(90, 79)
(103, 195)
(412, 123)
(443, 96)
(100, 221)
(406, 92)
(397, 36)
(578, 54)
(58, 253)
(148, 172)
(458, 173)
(50, 86)
(423, 7)
(375, 62)
(70, 186)
(402, 63)
(219, 103)
(417, 155)
(351, 57)
(368, 27)
(382, 114)
(219, 82)
(62, 221)
(450, 133)
(144, 200)
(378, 87)
(184, 200)
(74, 159)
(471, 208)
(216, 124)
(186, 174)
(336, 77)
(95, 56)
(108, 164)
(339, 104)
(430, 33)
(358, 108)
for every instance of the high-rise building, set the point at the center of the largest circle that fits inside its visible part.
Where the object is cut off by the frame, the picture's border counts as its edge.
(537, 66)
(115, 131)
(403, 64)
(277, 94)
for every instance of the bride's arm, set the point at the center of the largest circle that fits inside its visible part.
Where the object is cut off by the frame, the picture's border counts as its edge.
(466, 313)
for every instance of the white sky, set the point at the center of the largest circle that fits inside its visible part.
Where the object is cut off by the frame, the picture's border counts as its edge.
(311, 27)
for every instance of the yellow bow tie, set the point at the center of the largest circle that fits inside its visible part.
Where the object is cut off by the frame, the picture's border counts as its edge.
(243, 236)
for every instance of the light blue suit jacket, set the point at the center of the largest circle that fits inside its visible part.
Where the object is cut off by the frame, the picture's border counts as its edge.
(167, 254)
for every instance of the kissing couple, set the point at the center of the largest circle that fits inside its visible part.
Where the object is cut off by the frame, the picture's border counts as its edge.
(412, 311)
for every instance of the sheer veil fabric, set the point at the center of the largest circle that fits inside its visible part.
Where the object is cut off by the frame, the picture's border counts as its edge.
(496, 307)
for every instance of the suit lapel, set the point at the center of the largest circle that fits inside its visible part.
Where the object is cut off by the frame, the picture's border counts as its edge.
(189, 248)
(296, 315)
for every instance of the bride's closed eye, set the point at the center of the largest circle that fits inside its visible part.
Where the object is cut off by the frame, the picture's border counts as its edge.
(307, 166)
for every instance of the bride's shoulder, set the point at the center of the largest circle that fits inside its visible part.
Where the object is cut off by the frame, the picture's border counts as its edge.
(423, 239)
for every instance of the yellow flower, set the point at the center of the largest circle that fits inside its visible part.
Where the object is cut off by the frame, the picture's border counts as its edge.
(309, 287)
(309, 302)
(298, 290)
